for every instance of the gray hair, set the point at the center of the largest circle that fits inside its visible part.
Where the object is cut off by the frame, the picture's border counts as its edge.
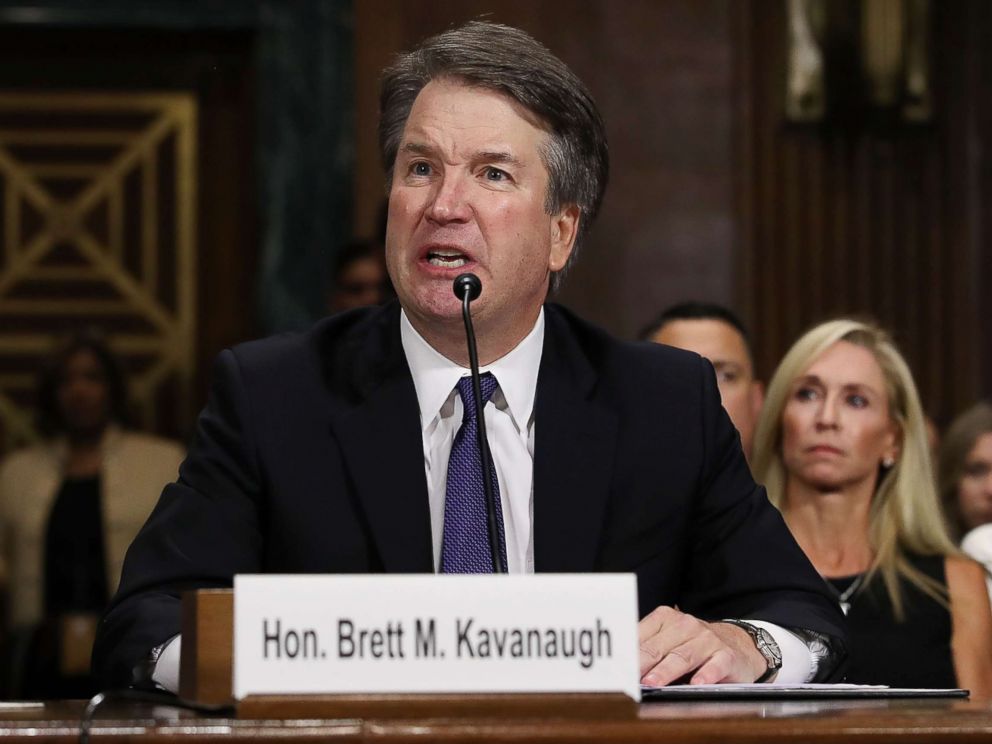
(507, 60)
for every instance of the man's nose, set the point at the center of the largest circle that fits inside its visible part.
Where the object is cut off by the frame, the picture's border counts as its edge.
(449, 200)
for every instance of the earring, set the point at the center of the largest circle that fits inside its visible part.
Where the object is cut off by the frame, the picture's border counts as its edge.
(888, 462)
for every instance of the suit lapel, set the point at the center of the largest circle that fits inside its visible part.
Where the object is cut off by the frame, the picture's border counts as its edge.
(378, 427)
(575, 436)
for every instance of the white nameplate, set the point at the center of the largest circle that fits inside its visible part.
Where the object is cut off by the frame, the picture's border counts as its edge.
(321, 634)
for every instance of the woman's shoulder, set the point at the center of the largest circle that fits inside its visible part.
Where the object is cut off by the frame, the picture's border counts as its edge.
(965, 579)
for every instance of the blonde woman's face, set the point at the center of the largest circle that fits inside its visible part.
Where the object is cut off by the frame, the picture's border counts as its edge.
(975, 486)
(836, 427)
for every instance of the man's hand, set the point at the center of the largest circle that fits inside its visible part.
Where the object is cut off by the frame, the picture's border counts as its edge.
(675, 645)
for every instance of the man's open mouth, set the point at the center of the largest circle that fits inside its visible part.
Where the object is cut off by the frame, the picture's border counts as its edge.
(446, 259)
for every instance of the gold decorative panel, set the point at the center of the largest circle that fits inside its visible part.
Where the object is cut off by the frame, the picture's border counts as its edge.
(98, 229)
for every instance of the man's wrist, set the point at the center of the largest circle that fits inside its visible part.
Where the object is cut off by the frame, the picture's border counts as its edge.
(761, 645)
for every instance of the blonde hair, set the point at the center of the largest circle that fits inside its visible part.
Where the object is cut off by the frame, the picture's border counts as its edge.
(954, 450)
(905, 514)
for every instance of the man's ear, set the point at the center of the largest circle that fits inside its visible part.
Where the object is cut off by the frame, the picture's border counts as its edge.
(757, 398)
(564, 229)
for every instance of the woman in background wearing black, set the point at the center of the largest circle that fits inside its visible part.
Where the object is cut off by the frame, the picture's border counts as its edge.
(841, 447)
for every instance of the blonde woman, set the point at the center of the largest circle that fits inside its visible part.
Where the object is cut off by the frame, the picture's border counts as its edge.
(841, 447)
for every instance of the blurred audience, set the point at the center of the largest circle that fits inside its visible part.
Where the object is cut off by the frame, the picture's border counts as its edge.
(358, 277)
(966, 482)
(69, 508)
(716, 333)
(841, 447)
(966, 470)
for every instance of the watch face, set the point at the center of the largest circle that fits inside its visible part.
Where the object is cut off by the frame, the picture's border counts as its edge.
(768, 648)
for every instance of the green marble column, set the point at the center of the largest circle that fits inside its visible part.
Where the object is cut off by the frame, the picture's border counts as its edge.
(305, 151)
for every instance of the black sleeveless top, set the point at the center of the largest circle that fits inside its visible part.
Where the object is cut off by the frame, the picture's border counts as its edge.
(913, 653)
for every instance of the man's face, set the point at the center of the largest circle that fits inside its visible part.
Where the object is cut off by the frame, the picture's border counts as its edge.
(724, 346)
(468, 194)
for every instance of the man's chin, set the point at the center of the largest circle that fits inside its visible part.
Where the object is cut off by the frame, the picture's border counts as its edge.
(435, 311)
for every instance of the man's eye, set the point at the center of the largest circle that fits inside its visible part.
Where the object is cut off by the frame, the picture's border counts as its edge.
(726, 376)
(495, 174)
(420, 168)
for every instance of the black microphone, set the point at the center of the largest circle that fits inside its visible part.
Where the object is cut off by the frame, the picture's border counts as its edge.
(467, 287)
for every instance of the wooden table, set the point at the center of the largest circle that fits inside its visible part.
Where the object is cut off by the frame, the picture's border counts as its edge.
(896, 721)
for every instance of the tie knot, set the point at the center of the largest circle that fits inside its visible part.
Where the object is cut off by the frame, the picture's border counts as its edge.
(488, 384)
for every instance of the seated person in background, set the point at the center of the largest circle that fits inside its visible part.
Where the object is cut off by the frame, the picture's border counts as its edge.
(69, 508)
(716, 333)
(329, 451)
(841, 447)
(358, 277)
(966, 482)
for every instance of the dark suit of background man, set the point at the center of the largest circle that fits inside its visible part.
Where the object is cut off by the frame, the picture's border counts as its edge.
(327, 451)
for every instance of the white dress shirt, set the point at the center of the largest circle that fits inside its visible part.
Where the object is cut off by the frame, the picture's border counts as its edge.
(509, 426)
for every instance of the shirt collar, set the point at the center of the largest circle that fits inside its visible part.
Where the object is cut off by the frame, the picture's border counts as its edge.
(435, 376)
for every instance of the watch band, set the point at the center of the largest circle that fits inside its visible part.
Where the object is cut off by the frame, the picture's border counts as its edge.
(765, 644)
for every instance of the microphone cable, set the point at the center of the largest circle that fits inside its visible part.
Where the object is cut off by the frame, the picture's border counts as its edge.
(153, 697)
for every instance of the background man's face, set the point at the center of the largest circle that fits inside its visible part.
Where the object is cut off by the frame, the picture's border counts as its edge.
(724, 346)
(468, 194)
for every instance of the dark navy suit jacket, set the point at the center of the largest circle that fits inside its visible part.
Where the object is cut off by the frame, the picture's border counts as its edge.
(308, 458)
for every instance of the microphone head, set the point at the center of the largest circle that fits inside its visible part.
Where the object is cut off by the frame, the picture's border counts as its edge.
(467, 284)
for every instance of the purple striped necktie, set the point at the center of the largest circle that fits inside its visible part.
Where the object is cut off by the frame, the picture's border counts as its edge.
(465, 542)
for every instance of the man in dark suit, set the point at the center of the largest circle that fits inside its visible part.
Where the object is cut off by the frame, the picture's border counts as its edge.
(340, 450)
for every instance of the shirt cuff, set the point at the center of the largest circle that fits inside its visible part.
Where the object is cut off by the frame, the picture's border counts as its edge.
(166, 671)
(797, 661)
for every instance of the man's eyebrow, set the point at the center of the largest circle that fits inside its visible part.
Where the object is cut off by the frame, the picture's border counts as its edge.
(417, 148)
(497, 156)
(726, 363)
(482, 156)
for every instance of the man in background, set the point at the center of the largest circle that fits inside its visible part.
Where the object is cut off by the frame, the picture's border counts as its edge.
(715, 332)
(358, 277)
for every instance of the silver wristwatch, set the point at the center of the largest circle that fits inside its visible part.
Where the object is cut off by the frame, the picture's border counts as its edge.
(765, 644)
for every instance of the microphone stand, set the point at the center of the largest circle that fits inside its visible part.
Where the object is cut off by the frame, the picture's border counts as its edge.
(467, 287)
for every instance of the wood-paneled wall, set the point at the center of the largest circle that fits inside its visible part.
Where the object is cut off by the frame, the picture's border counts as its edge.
(868, 218)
